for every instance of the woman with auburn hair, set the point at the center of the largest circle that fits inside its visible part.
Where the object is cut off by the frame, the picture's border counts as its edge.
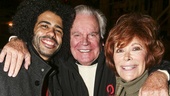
(131, 49)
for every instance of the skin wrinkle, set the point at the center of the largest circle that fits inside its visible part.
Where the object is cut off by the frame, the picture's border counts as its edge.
(85, 39)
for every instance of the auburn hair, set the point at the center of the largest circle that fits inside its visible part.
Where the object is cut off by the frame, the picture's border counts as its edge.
(135, 25)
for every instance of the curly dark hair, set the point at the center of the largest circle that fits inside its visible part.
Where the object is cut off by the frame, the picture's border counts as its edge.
(27, 15)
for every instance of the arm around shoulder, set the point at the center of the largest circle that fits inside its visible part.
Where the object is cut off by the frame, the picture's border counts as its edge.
(16, 53)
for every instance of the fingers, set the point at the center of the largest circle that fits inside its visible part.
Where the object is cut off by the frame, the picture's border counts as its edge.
(2, 54)
(12, 64)
(140, 94)
(27, 60)
(16, 52)
(146, 93)
(7, 61)
(155, 85)
(16, 67)
(160, 92)
(20, 60)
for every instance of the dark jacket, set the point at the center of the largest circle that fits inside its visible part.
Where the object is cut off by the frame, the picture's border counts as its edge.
(29, 82)
(72, 83)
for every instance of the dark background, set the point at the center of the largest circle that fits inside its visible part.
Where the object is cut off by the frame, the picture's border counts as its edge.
(158, 9)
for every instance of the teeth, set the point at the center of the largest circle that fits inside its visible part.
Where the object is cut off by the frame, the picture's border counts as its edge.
(128, 67)
(84, 51)
(48, 42)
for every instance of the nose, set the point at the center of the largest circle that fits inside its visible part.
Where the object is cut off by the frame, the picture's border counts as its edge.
(127, 56)
(85, 41)
(51, 32)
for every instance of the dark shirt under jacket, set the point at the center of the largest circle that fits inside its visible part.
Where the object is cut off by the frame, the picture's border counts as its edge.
(29, 82)
(72, 83)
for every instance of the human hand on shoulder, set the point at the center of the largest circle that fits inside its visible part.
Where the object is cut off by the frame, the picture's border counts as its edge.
(14, 53)
(155, 85)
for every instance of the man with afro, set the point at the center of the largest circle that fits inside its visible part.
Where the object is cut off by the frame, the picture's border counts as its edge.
(42, 24)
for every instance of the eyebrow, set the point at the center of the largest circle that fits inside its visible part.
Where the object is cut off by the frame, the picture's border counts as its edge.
(95, 32)
(137, 44)
(50, 24)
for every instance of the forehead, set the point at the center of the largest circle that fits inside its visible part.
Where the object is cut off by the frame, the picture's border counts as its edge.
(50, 16)
(137, 40)
(129, 42)
(85, 23)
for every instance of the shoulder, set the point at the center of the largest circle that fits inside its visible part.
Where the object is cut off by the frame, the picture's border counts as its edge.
(165, 62)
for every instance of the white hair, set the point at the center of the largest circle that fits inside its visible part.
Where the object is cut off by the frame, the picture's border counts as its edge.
(98, 14)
